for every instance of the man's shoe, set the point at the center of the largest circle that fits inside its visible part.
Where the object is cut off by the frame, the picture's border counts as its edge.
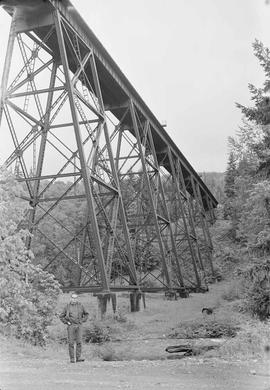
(72, 361)
(80, 360)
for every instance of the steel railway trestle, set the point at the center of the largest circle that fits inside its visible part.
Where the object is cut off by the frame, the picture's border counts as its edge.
(84, 139)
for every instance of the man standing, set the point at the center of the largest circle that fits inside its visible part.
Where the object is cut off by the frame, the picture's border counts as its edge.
(73, 315)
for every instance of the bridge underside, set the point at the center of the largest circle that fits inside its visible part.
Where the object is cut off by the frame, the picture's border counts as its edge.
(113, 203)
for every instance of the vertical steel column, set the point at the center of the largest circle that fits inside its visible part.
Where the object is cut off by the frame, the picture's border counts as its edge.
(161, 246)
(42, 148)
(179, 195)
(173, 243)
(211, 210)
(110, 239)
(191, 215)
(114, 172)
(206, 233)
(7, 66)
(84, 170)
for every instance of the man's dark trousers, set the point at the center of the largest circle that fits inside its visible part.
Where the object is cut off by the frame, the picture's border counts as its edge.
(75, 337)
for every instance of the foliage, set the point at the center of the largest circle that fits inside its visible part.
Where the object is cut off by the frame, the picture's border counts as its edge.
(250, 342)
(230, 175)
(260, 112)
(28, 294)
(97, 333)
(257, 294)
(229, 187)
(215, 182)
(210, 328)
(247, 202)
(65, 220)
(254, 222)
(243, 147)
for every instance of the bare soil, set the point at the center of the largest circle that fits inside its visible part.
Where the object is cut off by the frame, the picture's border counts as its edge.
(141, 341)
(20, 373)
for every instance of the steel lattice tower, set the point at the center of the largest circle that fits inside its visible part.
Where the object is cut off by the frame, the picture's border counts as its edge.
(75, 121)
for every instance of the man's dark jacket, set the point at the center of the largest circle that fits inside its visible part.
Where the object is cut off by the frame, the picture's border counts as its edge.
(74, 313)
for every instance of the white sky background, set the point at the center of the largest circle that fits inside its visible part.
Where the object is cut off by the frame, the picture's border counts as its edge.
(190, 60)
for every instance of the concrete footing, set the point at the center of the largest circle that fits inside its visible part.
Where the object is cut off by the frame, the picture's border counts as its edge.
(135, 298)
(103, 299)
(171, 295)
(182, 292)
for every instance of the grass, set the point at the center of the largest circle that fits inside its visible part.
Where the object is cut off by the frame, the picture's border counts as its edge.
(233, 291)
(95, 330)
(251, 342)
(143, 335)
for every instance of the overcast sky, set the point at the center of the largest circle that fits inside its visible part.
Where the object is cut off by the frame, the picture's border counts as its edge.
(190, 60)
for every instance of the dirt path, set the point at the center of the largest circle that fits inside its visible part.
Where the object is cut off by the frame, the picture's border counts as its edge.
(191, 374)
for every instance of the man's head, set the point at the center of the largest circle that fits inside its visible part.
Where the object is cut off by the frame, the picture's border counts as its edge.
(73, 297)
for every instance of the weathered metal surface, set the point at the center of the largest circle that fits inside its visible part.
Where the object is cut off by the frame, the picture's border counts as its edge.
(146, 208)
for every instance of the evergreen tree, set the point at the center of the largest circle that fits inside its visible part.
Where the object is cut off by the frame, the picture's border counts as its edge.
(259, 114)
(230, 175)
(229, 190)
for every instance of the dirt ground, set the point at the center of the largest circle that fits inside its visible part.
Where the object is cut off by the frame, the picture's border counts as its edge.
(53, 374)
(143, 338)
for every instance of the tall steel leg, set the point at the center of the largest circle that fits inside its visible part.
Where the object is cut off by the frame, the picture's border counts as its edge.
(84, 170)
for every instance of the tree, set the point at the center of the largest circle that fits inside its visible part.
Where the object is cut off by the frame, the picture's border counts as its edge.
(259, 114)
(230, 175)
(254, 225)
(28, 295)
(243, 146)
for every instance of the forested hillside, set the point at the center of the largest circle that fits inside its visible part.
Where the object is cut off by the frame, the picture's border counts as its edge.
(242, 232)
(215, 183)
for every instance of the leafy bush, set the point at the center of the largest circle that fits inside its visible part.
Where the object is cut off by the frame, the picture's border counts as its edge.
(97, 333)
(257, 290)
(28, 295)
(254, 222)
(205, 329)
(28, 306)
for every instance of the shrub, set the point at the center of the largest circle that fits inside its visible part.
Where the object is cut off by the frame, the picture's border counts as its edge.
(257, 290)
(28, 307)
(28, 295)
(249, 342)
(211, 328)
(97, 333)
